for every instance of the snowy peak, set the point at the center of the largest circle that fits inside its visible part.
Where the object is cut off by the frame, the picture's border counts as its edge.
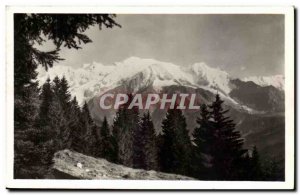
(212, 77)
(276, 81)
(148, 71)
(203, 70)
(162, 70)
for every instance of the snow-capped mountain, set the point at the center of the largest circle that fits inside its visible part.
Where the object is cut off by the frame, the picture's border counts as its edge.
(276, 81)
(206, 76)
(92, 80)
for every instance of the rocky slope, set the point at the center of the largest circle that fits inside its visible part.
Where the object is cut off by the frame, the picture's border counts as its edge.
(73, 165)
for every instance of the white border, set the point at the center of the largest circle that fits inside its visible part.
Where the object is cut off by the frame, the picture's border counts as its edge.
(159, 184)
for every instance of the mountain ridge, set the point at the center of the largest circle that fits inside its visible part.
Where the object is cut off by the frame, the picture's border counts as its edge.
(95, 79)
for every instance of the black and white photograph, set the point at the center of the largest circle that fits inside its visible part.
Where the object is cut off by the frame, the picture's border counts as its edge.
(187, 98)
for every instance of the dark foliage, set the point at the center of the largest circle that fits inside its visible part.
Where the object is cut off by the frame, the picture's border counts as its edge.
(106, 147)
(175, 148)
(33, 154)
(227, 151)
(126, 125)
(204, 142)
(149, 143)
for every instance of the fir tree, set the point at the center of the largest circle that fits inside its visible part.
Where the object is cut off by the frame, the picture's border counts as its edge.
(149, 147)
(64, 95)
(116, 128)
(46, 98)
(125, 125)
(228, 149)
(66, 113)
(204, 141)
(175, 151)
(58, 123)
(139, 158)
(106, 142)
(88, 134)
(77, 126)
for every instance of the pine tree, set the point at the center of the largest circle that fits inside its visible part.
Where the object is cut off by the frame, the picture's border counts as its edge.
(64, 95)
(204, 140)
(63, 112)
(116, 128)
(139, 158)
(46, 143)
(106, 144)
(175, 151)
(150, 150)
(59, 124)
(228, 149)
(46, 98)
(88, 134)
(76, 127)
(126, 123)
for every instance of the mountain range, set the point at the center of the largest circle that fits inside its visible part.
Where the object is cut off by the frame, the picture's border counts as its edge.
(256, 103)
(95, 79)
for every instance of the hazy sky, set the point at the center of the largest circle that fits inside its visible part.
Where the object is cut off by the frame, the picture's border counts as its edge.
(243, 45)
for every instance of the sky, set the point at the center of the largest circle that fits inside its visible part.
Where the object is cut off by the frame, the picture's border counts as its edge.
(243, 45)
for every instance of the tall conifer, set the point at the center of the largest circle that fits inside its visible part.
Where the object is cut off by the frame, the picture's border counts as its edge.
(227, 149)
(204, 141)
(150, 148)
(126, 123)
(107, 149)
(175, 151)
(46, 98)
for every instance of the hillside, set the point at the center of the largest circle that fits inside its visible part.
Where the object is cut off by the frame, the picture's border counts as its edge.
(74, 165)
